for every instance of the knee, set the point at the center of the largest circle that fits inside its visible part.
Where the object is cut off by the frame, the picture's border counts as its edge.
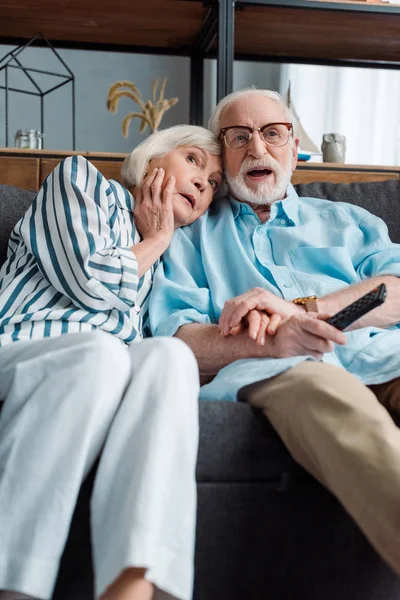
(104, 355)
(95, 361)
(314, 376)
(175, 358)
(175, 376)
(319, 384)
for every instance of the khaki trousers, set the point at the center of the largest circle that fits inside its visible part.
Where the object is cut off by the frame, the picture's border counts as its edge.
(335, 427)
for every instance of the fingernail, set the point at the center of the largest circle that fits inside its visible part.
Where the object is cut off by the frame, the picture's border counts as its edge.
(254, 335)
(262, 341)
(155, 169)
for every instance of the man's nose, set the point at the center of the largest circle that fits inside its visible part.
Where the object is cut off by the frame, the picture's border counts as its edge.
(257, 147)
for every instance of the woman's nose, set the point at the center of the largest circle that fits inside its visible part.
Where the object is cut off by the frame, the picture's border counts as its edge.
(199, 184)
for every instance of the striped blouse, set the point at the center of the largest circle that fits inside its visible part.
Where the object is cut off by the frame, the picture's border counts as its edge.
(69, 264)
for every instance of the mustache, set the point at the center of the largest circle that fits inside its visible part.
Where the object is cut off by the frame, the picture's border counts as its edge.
(264, 163)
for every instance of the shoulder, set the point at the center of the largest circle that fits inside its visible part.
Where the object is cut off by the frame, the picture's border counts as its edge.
(75, 165)
(335, 211)
(79, 170)
(220, 210)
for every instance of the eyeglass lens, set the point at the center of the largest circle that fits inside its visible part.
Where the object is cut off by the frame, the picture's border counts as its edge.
(273, 135)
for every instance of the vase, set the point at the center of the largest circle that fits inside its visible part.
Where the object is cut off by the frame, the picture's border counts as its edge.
(333, 148)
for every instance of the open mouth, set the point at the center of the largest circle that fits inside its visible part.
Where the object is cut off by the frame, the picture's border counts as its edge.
(189, 199)
(259, 173)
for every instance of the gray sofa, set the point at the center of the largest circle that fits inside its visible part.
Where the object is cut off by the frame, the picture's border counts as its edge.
(266, 529)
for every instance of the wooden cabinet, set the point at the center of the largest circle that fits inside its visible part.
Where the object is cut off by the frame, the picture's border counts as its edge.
(310, 172)
(28, 168)
(25, 171)
(110, 168)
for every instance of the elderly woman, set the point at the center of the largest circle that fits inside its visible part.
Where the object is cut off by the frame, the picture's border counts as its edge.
(79, 381)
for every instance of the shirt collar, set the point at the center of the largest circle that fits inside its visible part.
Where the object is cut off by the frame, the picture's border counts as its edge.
(288, 206)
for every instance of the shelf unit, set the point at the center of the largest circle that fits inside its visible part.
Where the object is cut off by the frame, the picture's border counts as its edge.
(335, 32)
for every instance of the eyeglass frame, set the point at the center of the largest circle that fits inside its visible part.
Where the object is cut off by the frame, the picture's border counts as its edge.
(223, 131)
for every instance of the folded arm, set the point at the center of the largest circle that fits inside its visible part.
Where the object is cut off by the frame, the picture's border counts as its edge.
(299, 335)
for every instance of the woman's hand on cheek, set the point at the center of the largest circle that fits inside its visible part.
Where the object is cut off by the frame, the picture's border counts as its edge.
(153, 212)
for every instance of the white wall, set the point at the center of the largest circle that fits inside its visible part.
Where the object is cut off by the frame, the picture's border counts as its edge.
(96, 128)
(245, 74)
(325, 97)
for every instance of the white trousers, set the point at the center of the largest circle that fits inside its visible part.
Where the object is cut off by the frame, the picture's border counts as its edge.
(69, 400)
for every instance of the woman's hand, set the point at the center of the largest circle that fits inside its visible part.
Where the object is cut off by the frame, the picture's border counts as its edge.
(263, 303)
(153, 212)
(259, 325)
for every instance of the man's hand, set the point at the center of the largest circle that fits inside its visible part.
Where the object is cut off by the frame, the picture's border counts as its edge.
(258, 309)
(304, 334)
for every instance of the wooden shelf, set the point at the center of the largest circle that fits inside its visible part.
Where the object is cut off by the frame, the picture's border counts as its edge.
(331, 5)
(173, 24)
(28, 168)
(308, 172)
(307, 32)
(306, 29)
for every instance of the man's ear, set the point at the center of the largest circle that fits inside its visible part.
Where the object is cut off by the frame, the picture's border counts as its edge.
(295, 150)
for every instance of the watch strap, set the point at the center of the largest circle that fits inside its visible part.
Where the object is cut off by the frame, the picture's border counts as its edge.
(311, 305)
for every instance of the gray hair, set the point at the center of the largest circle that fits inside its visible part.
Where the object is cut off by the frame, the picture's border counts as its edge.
(215, 119)
(161, 142)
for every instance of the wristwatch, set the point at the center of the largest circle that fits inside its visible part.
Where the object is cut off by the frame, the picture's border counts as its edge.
(310, 303)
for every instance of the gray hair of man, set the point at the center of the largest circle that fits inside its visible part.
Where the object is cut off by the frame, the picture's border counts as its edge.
(214, 124)
(159, 143)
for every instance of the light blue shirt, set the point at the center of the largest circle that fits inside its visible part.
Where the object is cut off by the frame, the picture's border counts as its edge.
(308, 246)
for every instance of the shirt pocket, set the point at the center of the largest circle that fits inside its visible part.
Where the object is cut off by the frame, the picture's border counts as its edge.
(334, 262)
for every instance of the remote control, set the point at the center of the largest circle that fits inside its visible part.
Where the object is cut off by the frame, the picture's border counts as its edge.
(359, 308)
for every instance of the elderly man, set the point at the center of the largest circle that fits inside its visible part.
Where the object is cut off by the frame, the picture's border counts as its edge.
(242, 286)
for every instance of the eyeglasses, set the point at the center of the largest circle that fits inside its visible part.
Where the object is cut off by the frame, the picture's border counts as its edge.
(238, 137)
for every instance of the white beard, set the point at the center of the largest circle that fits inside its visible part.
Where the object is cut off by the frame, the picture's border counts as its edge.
(267, 192)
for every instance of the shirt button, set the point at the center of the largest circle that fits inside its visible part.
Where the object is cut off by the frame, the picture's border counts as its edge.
(287, 285)
(282, 222)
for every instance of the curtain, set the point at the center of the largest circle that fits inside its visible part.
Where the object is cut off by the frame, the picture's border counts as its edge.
(362, 104)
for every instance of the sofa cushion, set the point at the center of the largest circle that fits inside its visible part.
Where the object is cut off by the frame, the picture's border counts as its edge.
(14, 202)
(238, 444)
(381, 198)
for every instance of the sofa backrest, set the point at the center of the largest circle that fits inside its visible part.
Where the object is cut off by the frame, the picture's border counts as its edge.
(382, 198)
(14, 202)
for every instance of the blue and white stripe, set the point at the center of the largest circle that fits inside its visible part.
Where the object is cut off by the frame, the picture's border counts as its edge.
(69, 264)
